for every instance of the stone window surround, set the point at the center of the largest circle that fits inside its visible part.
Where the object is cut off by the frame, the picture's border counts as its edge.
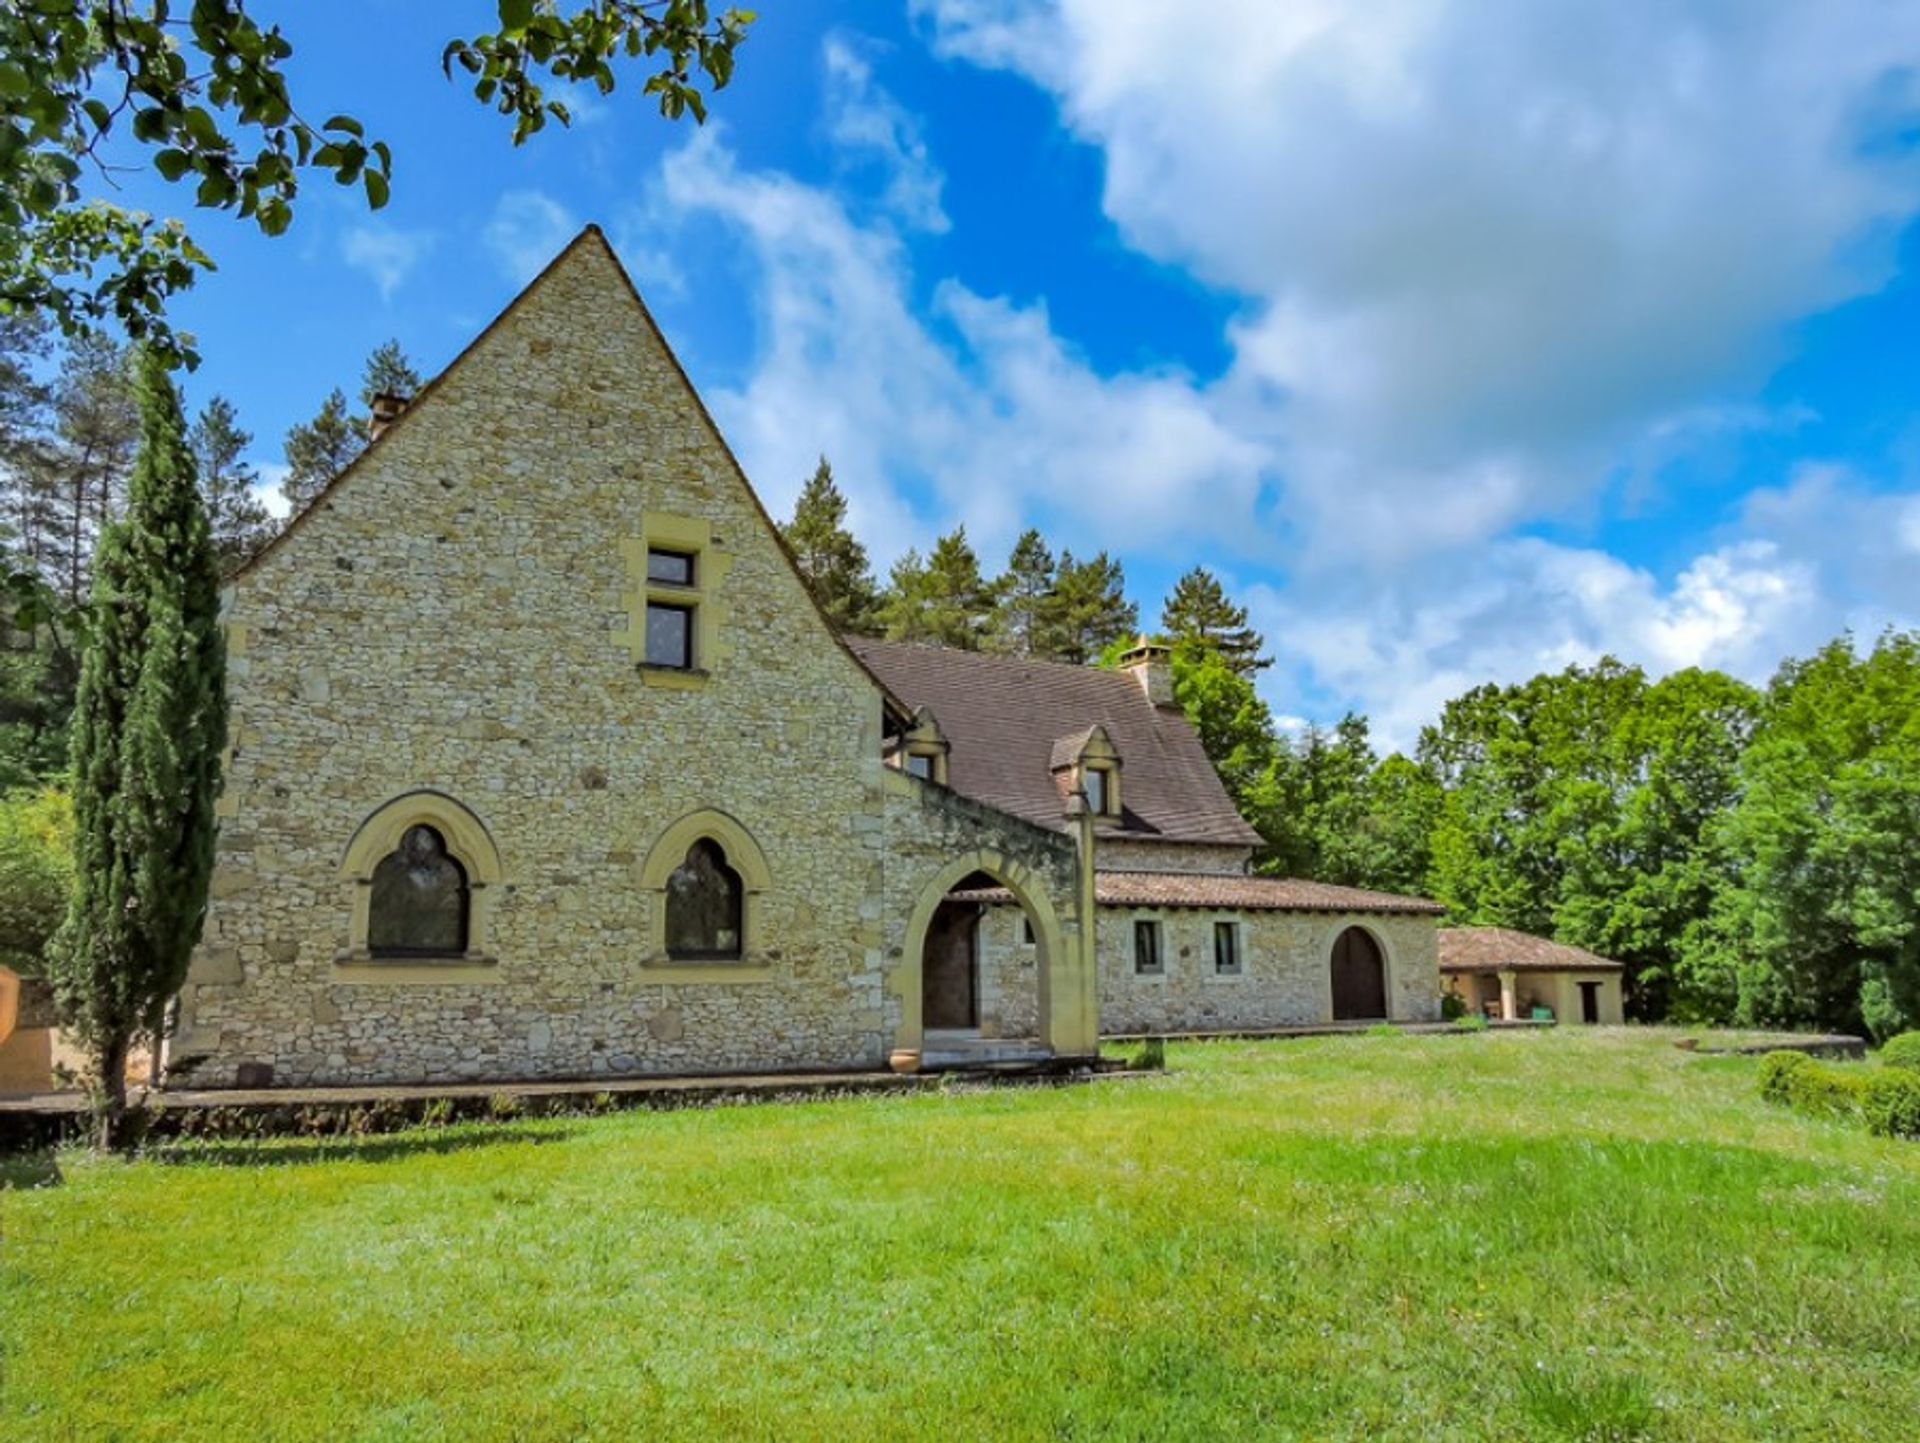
(748, 862)
(1212, 972)
(690, 536)
(468, 842)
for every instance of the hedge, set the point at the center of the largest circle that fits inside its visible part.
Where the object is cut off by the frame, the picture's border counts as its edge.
(1886, 1098)
(1902, 1052)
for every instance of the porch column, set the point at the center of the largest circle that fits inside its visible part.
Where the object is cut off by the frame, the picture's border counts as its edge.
(1509, 1001)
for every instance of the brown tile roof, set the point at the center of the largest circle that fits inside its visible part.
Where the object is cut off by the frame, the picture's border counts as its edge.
(1496, 949)
(1230, 893)
(1003, 715)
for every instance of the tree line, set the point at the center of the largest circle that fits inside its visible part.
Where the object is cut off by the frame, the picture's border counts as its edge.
(1748, 852)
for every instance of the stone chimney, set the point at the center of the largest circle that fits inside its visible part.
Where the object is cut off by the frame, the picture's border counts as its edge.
(386, 410)
(1150, 663)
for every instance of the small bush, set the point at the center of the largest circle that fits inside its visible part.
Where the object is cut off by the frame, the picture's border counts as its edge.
(1453, 1006)
(1902, 1052)
(1823, 1089)
(1776, 1075)
(503, 1106)
(1471, 1022)
(1890, 1102)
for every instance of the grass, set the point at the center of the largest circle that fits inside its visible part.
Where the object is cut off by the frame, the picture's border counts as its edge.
(1562, 1235)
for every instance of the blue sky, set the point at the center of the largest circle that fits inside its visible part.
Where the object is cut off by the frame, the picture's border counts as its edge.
(1463, 337)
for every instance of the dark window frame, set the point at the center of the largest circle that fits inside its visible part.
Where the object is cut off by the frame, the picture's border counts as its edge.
(1151, 930)
(686, 610)
(388, 873)
(1228, 960)
(690, 560)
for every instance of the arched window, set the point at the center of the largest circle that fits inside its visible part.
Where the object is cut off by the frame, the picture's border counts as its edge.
(420, 899)
(706, 905)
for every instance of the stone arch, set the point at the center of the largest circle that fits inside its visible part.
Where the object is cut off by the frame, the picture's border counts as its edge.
(1345, 996)
(467, 840)
(743, 855)
(1029, 891)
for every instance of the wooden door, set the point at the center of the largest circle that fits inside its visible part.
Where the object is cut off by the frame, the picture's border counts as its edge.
(1359, 978)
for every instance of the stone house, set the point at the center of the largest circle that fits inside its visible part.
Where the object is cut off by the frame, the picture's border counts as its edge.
(1500, 973)
(543, 763)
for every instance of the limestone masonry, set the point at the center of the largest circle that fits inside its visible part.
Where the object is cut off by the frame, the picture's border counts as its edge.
(545, 618)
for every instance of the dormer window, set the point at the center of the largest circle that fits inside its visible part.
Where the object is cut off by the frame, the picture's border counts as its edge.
(1093, 784)
(1088, 763)
(922, 749)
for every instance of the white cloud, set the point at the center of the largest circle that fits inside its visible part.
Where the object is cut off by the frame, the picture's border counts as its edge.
(983, 407)
(1486, 243)
(273, 476)
(868, 124)
(385, 253)
(527, 229)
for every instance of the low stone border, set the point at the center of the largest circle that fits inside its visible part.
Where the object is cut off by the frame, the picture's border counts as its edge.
(1330, 1029)
(53, 1118)
(1831, 1044)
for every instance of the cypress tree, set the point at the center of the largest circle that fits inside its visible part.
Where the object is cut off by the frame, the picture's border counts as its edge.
(149, 725)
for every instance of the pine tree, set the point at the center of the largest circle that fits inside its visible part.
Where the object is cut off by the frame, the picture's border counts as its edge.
(388, 372)
(1017, 625)
(832, 562)
(319, 450)
(1086, 610)
(1198, 610)
(943, 599)
(240, 524)
(149, 724)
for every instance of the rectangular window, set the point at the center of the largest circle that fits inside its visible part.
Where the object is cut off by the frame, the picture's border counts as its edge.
(1094, 783)
(669, 635)
(919, 764)
(1146, 949)
(675, 568)
(1226, 948)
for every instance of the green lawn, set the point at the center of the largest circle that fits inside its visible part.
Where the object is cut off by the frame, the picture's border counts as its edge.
(1535, 1236)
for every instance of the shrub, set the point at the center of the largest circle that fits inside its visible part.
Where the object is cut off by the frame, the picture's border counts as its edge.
(1823, 1089)
(36, 874)
(1776, 1075)
(1453, 1006)
(1902, 1052)
(1471, 1022)
(1149, 1055)
(1890, 1102)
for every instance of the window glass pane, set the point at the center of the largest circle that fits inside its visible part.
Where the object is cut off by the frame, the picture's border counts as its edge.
(920, 765)
(1226, 947)
(1146, 947)
(705, 905)
(669, 635)
(419, 902)
(674, 567)
(1094, 784)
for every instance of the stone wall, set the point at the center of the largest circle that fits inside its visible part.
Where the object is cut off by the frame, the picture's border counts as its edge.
(1285, 978)
(458, 614)
(1121, 854)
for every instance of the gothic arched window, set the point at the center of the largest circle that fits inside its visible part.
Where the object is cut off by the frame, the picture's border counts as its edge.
(705, 905)
(419, 903)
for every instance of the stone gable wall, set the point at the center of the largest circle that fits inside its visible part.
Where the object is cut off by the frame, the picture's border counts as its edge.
(455, 616)
(1116, 854)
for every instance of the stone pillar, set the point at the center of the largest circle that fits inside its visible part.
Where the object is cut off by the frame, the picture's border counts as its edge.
(1073, 1003)
(1509, 1002)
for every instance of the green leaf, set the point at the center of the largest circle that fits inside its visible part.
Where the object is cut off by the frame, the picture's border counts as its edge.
(516, 14)
(347, 123)
(172, 163)
(377, 189)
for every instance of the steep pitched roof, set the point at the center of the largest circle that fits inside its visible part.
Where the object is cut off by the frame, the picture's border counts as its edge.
(1500, 949)
(1003, 715)
(1215, 891)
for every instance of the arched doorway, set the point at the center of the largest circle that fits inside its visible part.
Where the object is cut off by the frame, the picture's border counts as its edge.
(950, 966)
(1359, 977)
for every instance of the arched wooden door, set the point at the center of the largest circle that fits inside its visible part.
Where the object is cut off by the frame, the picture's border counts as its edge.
(1359, 978)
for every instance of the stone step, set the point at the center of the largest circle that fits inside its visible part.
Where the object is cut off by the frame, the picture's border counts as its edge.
(946, 1053)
